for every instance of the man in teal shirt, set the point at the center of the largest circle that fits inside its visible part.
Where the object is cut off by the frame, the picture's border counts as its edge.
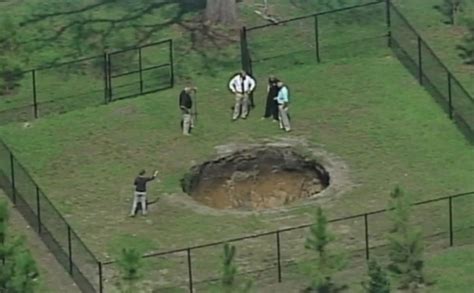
(283, 100)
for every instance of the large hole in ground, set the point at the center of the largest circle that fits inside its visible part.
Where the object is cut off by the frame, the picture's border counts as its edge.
(257, 178)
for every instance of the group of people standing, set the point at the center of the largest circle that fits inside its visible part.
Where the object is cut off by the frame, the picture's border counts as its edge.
(242, 86)
(277, 103)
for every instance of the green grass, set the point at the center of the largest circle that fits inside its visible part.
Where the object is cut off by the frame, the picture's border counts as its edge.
(353, 108)
(442, 38)
(360, 105)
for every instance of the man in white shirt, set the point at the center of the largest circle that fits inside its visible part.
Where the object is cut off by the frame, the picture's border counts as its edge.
(283, 99)
(242, 86)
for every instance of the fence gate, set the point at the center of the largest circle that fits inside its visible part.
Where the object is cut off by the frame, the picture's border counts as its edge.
(140, 70)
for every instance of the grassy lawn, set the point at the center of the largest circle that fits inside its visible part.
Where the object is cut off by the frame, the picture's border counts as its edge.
(387, 135)
(360, 106)
(447, 271)
(442, 38)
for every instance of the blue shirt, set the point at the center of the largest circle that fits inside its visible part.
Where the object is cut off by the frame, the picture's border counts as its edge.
(283, 95)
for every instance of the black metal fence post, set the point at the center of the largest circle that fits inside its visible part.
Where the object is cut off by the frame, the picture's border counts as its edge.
(38, 209)
(140, 69)
(278, 255)
(171, 63)
(190, 271)
(367, 246)
(69, 247)
(420, 62)
(389, 22)
(244, 58)
(12, 169)
(316, 36)
(109, 76)
(451, 235)
(450, 96)
(101, 284)
(35, 102)
(106, 78)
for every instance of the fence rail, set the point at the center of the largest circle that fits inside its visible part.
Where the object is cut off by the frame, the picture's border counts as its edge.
(134, 71)
(91, 81)
(386, 21)
(42, 215)
(363, 251)
(421, 60)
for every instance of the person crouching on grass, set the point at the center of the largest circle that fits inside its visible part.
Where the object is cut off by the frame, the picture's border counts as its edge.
(283, 100)
(139, 195)
(186, 105)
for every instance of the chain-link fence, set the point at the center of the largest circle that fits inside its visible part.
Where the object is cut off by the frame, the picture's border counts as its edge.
(90, 82)
(354, 31)
(51, 226)
(345, 32)
(281, 255)
(431, 72)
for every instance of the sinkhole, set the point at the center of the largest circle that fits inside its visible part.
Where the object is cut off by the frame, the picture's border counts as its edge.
(255, 179)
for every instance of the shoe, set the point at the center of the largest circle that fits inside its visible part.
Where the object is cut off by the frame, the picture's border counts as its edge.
(263, 118)
(287, 130)
(275, 121)
(131, 215)
(244, 117)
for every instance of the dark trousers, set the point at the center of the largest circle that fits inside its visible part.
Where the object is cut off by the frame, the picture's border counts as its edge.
(271, 108)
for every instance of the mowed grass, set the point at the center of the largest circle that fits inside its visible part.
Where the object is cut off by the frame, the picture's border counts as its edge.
(449, 270)
(367, 111)
(442, 38)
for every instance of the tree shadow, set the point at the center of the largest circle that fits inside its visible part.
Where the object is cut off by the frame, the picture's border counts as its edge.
(78, 24)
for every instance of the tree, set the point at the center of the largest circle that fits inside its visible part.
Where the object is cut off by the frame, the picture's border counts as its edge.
(378, 279)
(130, 265)
(405, 244)
(327, 263)
(18, 272)
(467, 48)
(229, 272)
(450, 10)
(221, 11)
(10, 59)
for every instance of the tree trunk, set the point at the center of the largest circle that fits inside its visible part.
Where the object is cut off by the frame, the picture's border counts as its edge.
(221, 11)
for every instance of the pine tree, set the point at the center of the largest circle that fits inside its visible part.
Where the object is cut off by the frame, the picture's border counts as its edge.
(18, 272)
(25, 272)
(130, 265)
(378, 279)
(229, 273)
(327, 263)
(467, 47)
(450, 9)
(405, 244)
(10, 66)
(229, 270)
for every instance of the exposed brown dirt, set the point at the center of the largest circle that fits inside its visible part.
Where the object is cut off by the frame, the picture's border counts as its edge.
(257, 178)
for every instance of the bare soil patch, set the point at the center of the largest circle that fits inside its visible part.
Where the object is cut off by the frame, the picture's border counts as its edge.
(256, 178)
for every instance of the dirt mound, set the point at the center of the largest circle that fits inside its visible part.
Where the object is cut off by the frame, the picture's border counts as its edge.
(257, 178)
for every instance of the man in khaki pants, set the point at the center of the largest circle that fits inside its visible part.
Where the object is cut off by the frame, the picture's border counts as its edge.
(283, 100)
(242, 86)
(186, 105)
(139, 195)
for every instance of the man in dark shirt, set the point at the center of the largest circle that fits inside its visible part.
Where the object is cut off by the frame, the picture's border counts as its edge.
(186, 105)
(139, 195)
